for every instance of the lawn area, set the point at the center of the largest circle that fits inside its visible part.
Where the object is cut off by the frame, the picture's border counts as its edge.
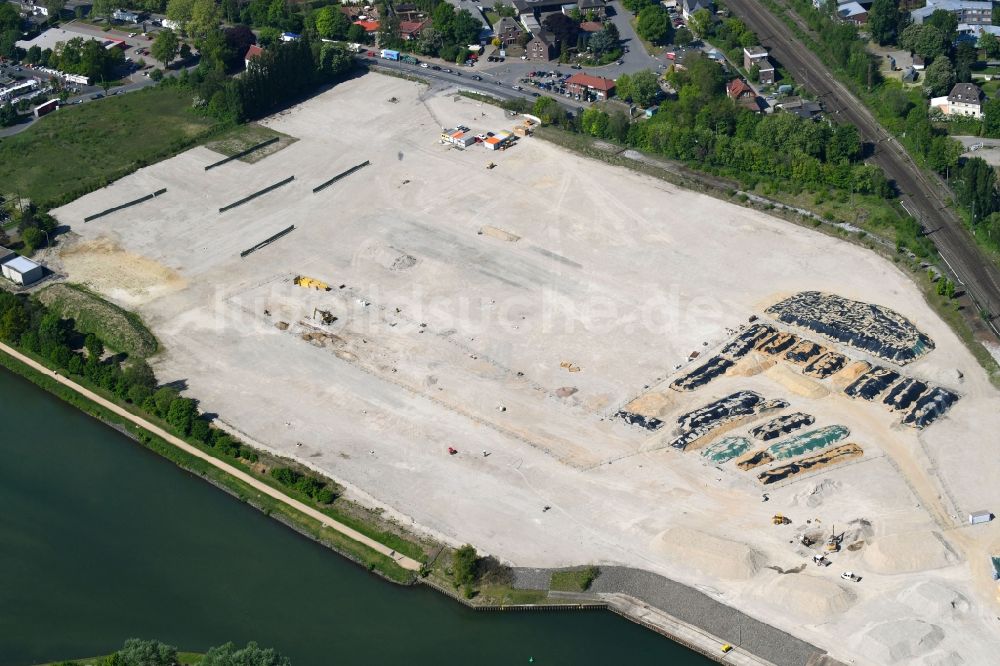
(245, 137)
(80, 148)
(120, 330)
(576, 580)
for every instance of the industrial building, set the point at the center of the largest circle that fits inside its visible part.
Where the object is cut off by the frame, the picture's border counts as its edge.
(22, 271)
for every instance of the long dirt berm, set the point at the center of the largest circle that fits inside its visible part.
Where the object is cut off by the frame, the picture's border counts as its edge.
(244, 153)
(108, 211)
(345, 174)
(257, 194)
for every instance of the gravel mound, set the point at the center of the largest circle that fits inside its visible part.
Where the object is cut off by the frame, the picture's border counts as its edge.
(709, 554)
(901, 641)
(812, 598)
(907, 552)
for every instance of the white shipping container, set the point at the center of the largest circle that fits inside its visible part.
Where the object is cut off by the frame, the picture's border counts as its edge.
(978, 517)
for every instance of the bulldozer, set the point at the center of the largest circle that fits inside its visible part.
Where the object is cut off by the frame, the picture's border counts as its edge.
(779, 519)
(491, 165)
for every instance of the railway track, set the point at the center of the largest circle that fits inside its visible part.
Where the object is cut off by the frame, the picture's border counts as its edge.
(924, 196)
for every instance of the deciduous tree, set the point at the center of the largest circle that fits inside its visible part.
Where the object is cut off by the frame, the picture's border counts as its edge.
(251, 655)
(883, 21)
(700, 22)
(654, 24)
(939, 77)
(165, 46)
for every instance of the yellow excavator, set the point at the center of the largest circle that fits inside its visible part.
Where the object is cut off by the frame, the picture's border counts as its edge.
(779, 519)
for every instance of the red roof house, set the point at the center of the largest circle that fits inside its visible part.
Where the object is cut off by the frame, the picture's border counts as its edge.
(740, 92)
(251, 53)
(411, 29)
(738, 89)
(582, 83)
(370, 27)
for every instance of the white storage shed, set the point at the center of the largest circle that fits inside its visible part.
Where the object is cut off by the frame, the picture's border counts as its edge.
(22, 271)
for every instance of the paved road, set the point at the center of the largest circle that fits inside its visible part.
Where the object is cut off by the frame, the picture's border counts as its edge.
(514, 69)
(490, 85)
(323, 519)
(923, 195)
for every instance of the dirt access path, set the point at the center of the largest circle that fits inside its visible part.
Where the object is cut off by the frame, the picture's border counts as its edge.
(401, 560)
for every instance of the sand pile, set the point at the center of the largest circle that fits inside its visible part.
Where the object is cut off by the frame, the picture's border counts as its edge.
(934, 600)
(126, 277)
(652, 404)
(752, 364)
(907, 552)
(845, 377)
(709, 554)
(901, 641)
(797, 383)
(817, 493)
(810, 598)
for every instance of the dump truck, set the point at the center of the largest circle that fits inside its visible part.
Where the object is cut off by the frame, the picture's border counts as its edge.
(409, 59)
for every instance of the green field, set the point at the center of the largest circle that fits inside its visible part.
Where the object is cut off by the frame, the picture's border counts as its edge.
(575, 580)
(81, 148)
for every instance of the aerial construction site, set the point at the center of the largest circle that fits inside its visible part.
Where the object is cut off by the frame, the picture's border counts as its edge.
(626, 371)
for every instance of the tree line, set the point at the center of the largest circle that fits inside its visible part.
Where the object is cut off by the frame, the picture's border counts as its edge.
(702, 126)
(140, 652)
(839, 44)
(27, 324)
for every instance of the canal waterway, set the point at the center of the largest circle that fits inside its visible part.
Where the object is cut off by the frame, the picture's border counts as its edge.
(101, 540)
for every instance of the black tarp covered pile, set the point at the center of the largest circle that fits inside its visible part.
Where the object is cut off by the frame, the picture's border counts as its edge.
(930, 407)
(904, 393)
(826, 365)
(870, 328)
(703, 374)
(871, 384)
(782, 426)
(647, 422)
(699, 422)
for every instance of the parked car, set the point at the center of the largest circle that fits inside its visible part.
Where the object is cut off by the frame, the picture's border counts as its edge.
(534, 94)
(436, 68)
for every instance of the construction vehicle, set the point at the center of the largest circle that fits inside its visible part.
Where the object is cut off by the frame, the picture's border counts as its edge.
(726, 647)
(833, 543)
(779, 519)
(491, 165)
(311, 283)
(325, 316)
(452, 450)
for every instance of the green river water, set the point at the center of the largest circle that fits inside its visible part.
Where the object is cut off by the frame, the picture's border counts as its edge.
(101, 540)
